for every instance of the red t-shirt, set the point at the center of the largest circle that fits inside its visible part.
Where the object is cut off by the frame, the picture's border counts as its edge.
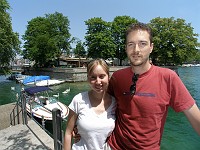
(141, 118)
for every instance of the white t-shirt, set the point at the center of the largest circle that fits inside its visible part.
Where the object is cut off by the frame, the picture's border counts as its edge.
(94, 129)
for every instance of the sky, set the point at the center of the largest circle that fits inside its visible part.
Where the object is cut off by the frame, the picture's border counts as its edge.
(79, 11)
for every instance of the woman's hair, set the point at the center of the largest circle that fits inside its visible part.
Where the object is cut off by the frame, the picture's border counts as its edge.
(140, 26)
(93, 63)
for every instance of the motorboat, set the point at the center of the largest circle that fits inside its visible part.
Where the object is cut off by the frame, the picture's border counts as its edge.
(49, 82)
(40, 105)
(15, 75)
(34, 79)
(41, 81)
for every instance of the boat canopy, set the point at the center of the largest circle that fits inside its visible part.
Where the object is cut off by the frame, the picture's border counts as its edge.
(35, 78)
(36, 89)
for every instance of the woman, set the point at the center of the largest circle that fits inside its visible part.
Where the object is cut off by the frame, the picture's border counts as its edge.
(92, 111)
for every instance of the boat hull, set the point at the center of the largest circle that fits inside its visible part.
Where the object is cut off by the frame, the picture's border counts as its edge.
(45, 111)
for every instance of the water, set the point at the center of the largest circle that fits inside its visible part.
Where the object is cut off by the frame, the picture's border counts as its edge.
(8, 95)
(178, 133)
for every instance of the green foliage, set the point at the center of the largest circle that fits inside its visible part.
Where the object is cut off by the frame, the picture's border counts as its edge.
(99, 39)
(174, 41)
(60, 31)
(119, 26)
(46, 38)
(79, 51)
(9, 41)
(197, 57)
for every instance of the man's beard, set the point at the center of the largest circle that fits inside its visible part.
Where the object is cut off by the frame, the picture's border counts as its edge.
(140, 63)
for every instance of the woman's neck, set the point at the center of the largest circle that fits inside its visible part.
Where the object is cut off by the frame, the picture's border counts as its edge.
(99, 101)
(96, 96)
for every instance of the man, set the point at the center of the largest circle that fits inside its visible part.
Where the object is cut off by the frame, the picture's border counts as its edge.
(143, 93)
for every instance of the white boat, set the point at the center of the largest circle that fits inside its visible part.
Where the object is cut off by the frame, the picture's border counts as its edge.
(191, 65)
(40, 105)
(14, 75)
(34, 79)
(41, 81)
(49, 82)
(21, 78)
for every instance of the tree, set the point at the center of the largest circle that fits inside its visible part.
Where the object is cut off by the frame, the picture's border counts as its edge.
(79, 51)
(197, 57)
(46, 38)
(99, 39)
(174, 41)
(60, 31)
(119, 26)
(9, 41)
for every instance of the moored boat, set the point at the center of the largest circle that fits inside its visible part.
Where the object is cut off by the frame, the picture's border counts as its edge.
(41, 81)
(49, 82)
(40, 105)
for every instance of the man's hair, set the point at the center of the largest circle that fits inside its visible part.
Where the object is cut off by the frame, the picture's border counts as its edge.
(140, 26)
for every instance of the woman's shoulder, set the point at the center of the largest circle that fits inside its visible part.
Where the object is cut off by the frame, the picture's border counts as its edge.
(80, 99)
(113, 106)
(113, 100)
(81, 94)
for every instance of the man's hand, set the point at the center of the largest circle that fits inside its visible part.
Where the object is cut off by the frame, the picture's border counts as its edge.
(75, 135)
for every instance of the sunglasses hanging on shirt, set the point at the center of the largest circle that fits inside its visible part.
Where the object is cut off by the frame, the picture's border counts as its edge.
(133, 86)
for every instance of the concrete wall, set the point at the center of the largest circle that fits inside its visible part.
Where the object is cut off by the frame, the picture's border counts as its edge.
(68, 74)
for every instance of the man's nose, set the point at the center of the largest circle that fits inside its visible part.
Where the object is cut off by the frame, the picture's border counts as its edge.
(137, 47)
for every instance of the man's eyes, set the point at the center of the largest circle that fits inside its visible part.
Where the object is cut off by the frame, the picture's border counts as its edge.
(140, 44)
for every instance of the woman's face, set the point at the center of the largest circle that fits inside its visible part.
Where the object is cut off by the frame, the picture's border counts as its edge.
(98, 79)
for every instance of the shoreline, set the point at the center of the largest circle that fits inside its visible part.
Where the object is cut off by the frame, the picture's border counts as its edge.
(74, 74)
(67, 74)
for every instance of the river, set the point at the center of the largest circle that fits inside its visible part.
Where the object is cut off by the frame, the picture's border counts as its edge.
(178, 133)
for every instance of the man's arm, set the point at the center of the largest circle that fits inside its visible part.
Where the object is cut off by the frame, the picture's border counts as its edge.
(193, 115)
(76, 136)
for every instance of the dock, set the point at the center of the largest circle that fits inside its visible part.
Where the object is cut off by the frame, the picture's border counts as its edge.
(29, 137)
(5, 111)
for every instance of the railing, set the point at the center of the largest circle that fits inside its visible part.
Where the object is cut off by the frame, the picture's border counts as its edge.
(57, 129)
(15, 113)
(58, 133)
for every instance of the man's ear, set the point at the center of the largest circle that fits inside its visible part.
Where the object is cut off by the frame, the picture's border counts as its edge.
(151, 47)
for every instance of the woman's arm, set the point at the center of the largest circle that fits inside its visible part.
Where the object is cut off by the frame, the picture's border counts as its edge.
(71, 121)
(193, 115)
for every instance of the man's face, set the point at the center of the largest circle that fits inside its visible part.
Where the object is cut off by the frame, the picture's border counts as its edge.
(138, 47)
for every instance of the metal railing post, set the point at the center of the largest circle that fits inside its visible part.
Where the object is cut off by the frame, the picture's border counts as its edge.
(14, 116)
(11, 119)
(18, 121)
(43, 122)
(24, 112)
(57, 129)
